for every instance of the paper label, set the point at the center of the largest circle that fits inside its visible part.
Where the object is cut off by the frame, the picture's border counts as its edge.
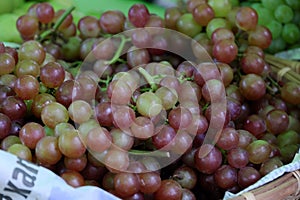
(22, 180)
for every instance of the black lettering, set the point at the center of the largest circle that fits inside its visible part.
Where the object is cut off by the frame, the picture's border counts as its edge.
(24, 193)
(4, 197)
(23, 163)
(27, 179)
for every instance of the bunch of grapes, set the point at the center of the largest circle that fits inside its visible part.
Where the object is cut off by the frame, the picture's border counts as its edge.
(147, 107)
(282, 19)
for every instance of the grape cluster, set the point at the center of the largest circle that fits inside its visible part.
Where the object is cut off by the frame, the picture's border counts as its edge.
(136, 105)
(282, 19)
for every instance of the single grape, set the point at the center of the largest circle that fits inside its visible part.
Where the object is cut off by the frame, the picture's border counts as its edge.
(89, 27)
(112, 21)
(226, 176)
(283, 13)
(238, 157)
(31, 133)
(252, 87)
(45, 12)
(259, 151)
(7, 63)
(169, 189)
(246, 18)
(138, 15)
(27, 87)
(203, 13)
(248, 176)
(187, 25)
(53, 114)
(290, 33)
(20, 150)
(148, 104)
(47, 151)
(221, 8)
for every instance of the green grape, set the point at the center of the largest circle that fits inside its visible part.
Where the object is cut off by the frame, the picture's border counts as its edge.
(187, 25)
(296, 18)
(290, 33)
(220, 7)
(275, 27)
(148, 104)
(277, 45)
(272, 4)
(295, 4)
(215, 24)
(255, 5)
(284, 13)
(265, 16)
(235, 3)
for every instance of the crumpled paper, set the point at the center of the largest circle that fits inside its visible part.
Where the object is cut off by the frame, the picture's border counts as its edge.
(20, 180)
(294, 165)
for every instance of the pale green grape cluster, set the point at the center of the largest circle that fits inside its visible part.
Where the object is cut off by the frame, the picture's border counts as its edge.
(282, 17)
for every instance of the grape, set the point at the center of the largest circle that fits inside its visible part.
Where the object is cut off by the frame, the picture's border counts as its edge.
(27, 67)
(168, 96)
(216, 23)
(283, 13)
(238, 157)
(188, 195)
(123, 116)
(7, 63)
(255, 125)
(98, 140)
(148, 104)
(293, 4)
(228, 139)
(27, 26)
(221, 7)
(80, 111)
(136, 57)
(187, 25)
(171, 16)
(252, 87)
(5, 125)
(222, 34)
(122, 139)
(270, 165)
(290, 92)
(259, 151)
(275, 28)
(271, 4)
(116, 160)
(208, 159)
(126, 184)
(149, 182)
(53, 114)
(142, 128)
(141, 38)
(169, 189)
(39, 102)
(226, 176)
(138, 15)
(45, 12)
(14, 107)
(246, 18)
(163, 137)
(31, 133)
(112, 21)
(88, 27)
(32, 50)
(73, 178)
(186, 177)
(47, 151)
(8, 141)
(66, 22)
(290, 33)
(27, 87)
(179, 118)
(225, 51)
(286, 138)
(277, 121)
(21, 151)
(203, 13)
(261, 37)
(247, 176)
(265, 16)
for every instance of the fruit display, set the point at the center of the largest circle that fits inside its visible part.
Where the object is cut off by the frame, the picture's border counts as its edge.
(184, 105)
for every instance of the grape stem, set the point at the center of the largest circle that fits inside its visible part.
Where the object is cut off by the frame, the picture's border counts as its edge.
(148, 78)
(162, 154)
(57, 24)
(119, 50)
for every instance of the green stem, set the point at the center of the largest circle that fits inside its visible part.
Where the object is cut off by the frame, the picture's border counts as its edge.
(148, 78)
(57, 24)
(162, 154)
(119, 50)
